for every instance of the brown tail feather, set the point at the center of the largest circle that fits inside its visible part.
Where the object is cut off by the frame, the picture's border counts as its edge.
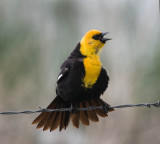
(91, 113)
(53, 120)
(46, 117)
(75, 117)
(100, 112)
(50, 120)
(103, 102)
(56, 121)
(67, 119)
(75, 120)
(48, 125)
(83, 115)
(43, 120)
(38, 119)
(62, 122)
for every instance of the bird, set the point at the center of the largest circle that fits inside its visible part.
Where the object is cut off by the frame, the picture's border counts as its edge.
(81, 82)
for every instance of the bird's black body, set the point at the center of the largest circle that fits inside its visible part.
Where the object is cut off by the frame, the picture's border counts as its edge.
(70, 85)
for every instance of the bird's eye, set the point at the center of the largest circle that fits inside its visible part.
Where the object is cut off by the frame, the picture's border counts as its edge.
(96, 37)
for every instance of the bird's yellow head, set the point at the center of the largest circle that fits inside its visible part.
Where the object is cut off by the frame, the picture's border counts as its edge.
(92, 42)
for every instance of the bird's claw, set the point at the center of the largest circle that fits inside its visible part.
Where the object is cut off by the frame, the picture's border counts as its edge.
(73, 110)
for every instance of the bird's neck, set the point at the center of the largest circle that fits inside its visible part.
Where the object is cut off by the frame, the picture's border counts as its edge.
(76, 52)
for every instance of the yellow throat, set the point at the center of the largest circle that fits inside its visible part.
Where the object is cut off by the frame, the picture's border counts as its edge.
(92, 70)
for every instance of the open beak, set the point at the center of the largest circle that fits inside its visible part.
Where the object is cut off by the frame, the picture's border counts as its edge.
(103, 40)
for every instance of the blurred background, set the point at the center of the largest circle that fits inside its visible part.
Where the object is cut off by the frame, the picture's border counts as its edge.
(36, 36)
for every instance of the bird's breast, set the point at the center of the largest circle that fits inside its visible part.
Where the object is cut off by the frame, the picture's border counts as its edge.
(92, 66)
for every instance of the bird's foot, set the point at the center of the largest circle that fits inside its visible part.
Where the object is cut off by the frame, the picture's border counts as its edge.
(73, 110)
(106, 107)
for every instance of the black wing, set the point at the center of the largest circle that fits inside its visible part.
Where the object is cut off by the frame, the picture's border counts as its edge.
(101, 84)
(63, 72)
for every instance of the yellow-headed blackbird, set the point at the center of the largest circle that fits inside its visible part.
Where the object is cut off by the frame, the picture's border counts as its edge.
(81, 82)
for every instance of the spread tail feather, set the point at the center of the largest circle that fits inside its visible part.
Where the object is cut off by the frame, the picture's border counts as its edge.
(61, 119)
(75, 116)
(83, 115)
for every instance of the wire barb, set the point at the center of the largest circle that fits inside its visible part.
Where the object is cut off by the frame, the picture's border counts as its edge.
(157, 105)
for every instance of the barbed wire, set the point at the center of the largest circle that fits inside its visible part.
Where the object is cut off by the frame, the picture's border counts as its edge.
(157, 104)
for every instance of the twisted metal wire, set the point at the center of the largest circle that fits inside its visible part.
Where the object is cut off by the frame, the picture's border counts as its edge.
(157, 104)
